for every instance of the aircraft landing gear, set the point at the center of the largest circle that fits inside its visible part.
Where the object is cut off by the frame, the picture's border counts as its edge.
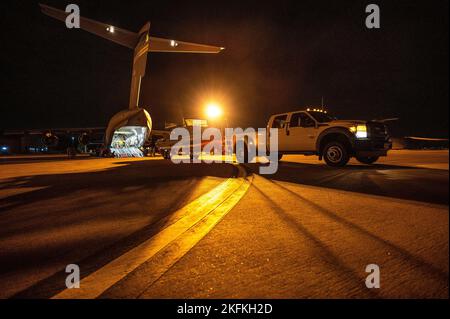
(166, 154)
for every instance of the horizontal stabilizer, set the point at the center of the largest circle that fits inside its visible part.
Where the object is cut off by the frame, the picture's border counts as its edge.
(166, 45)
(120, 36)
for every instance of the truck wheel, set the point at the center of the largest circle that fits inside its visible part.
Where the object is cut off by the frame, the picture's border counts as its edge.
(336, 154)
(367, 159)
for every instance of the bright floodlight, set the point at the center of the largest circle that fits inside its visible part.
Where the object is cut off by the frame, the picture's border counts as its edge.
(213, 110)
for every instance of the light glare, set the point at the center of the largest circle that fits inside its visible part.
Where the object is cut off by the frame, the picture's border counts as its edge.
(213, 110)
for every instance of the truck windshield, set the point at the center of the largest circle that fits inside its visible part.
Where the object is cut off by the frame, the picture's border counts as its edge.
(321, 117)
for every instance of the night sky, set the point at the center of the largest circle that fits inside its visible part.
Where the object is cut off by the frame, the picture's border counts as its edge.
(280, 56)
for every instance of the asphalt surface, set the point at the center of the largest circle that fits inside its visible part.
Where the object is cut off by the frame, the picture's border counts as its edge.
(308, 231)
(88, 211)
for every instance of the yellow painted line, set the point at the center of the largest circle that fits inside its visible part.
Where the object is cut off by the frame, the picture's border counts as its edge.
(184, 243)
(213, 205)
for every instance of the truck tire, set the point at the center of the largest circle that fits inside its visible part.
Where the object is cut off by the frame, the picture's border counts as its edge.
(367, 159)
(336, 154)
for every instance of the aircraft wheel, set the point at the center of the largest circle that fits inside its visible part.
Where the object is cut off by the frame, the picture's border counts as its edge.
(166, 155)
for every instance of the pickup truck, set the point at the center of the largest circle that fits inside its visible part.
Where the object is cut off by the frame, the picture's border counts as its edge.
(314, 132)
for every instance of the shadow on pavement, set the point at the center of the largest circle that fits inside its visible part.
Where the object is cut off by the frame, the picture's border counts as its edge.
(403, 182)
(417, 261)
(36, 159)
(71, 212)
(323, 251)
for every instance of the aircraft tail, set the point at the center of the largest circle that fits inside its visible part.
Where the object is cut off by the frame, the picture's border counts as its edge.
(149, 44)
(139, 65)
(140, 42)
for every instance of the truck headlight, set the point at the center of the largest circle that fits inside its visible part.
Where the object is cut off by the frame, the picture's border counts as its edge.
(360, 130)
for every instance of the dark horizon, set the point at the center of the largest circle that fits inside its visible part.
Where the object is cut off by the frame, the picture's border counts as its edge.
(279, 57)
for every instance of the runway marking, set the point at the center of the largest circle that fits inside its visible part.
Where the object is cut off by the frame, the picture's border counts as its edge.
(189, 225)
(183, 244)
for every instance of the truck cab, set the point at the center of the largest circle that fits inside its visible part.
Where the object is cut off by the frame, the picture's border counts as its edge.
(315, 132)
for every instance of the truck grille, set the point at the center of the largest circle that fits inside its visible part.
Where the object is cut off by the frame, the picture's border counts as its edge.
(378, 133)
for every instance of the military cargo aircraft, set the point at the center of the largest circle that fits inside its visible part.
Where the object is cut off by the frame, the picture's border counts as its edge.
(129, 130)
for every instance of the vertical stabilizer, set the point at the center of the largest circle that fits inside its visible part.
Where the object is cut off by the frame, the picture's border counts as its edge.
(139, 65)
